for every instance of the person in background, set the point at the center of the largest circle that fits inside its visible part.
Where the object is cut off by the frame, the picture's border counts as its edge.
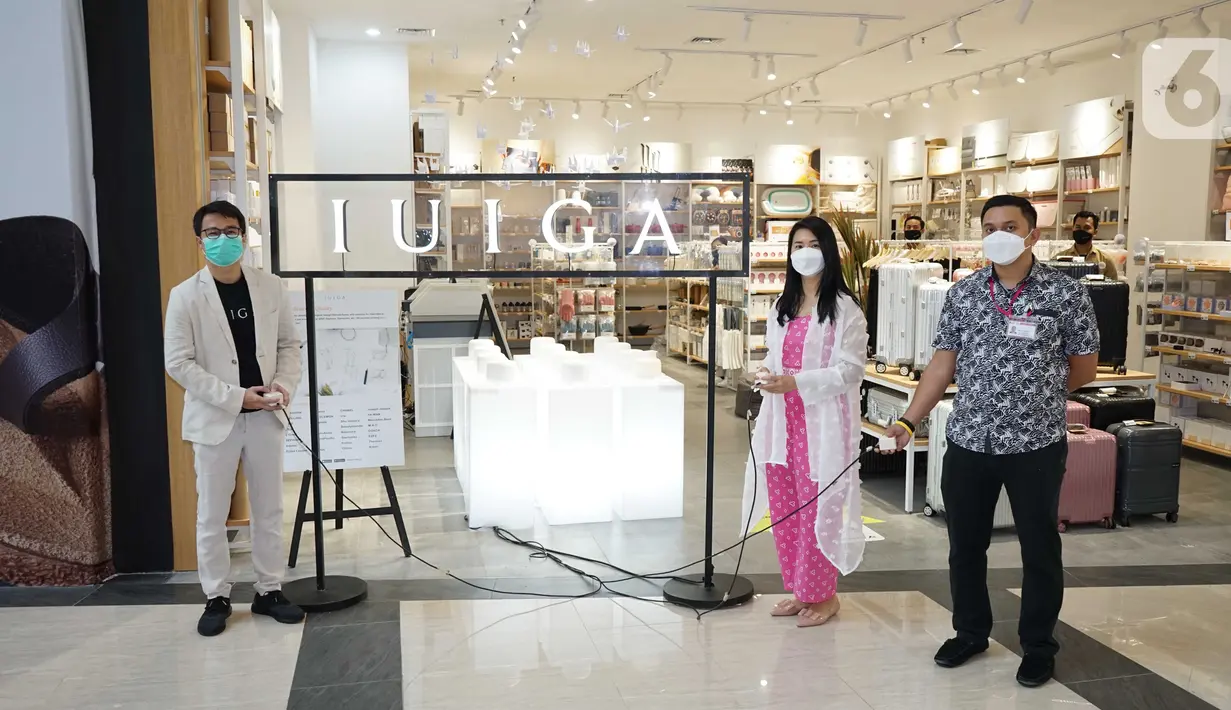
(231, 343)
(1085, 231)
(1019, 336)
(808, 431)
(912, 228)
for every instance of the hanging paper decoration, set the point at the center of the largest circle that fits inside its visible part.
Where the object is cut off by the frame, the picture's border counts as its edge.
(616, 124)
(517, 102)
(622, 34)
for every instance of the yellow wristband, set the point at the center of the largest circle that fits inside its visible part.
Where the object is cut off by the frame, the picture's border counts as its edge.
(905, 426)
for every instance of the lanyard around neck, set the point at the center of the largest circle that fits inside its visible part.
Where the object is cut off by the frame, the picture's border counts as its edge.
(991, 290)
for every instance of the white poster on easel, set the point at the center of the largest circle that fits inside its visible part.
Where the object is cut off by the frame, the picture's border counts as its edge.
(358, 382)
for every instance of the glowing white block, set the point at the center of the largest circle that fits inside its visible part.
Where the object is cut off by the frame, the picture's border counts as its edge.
(649, 443)
(501, 412)
(576, 475)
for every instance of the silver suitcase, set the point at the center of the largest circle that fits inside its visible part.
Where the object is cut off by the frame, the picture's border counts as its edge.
(886, 406)
(897, 295)
(934, 502)
(931, 301)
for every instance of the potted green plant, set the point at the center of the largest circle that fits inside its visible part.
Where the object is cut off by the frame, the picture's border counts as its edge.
(858, 248)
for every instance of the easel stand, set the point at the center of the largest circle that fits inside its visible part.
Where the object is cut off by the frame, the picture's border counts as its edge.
(333, 592)
(340, 514)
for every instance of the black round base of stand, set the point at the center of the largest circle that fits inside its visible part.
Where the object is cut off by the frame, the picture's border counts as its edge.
(692, 593)
(339, 593)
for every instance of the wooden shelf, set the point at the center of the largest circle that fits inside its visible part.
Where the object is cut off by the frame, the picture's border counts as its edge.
(1191, 354)
(1208, 448)
(1223, 169)
(223, 161)
(1190, 314)
(945, 175)
(1207, 268)
(769, 264)
(1044, 193)
(1203, 396)
(1093, 191)
(1098, 157)
(1034, 163)
(907, 204)
(944, 202)
(218, 79)
(1002, 168)
(907, 179)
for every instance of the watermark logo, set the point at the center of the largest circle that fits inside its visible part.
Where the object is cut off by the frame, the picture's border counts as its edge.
(1186, 88)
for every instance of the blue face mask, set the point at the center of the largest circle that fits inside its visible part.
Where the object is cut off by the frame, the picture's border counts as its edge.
(224, 250)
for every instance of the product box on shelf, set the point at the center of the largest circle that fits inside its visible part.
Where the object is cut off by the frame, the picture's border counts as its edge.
(221, 121)
(221, 141)
(218, 102)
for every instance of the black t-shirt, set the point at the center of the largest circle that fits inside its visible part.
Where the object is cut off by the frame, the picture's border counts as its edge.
(237, 303)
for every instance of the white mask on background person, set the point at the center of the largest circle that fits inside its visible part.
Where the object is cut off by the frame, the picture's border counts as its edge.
(808, 261)
(1003, 248)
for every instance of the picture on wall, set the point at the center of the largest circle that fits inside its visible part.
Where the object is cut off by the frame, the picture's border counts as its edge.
(985, 145)
(1093, 128)
(788, 165)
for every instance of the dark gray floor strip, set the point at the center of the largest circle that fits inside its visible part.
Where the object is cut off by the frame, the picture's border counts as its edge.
(350, 658)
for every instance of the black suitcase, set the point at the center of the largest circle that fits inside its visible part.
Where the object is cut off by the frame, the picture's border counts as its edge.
(873, 288)
(1110, 300)
(1124, 404)
(1075, 269)
(1147, 470)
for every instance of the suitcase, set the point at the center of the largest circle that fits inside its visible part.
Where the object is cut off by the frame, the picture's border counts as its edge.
(931, 301)
(871, 307)
(1110, 299)
(1107, 408)
(885, 406)
(1076, 269)
(895, 312)
(933, 501)
(1088, 493)
(1147, 470)
(1076, 413)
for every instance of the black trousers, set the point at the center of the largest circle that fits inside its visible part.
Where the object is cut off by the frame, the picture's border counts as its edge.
(970, 485)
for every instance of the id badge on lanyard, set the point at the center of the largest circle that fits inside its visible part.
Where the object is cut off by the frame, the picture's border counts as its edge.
(1017, 327)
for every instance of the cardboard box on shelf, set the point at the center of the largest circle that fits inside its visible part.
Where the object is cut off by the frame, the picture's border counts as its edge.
(246, 54)
(219, 31)
(221, 141)
(218, 102)
(221, 121)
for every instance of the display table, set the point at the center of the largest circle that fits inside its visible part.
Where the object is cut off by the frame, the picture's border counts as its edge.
(898, 383)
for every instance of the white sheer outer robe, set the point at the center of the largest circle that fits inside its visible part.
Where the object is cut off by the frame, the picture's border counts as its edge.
(835, 354)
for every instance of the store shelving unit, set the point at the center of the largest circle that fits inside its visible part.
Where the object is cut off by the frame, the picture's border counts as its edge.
(1186, 336)
(237, 68)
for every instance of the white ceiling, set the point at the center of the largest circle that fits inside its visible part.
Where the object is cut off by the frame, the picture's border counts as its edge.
(478, 34)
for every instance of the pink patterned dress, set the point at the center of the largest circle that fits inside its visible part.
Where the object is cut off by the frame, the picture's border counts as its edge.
(805, 569)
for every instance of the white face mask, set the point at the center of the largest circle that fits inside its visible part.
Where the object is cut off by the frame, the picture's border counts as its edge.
(1003, 248)
(808, 261)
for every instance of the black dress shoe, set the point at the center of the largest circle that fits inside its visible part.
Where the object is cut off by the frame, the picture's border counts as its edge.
(955, 652)
(214, 620)
(277, 607)
(1035, 670)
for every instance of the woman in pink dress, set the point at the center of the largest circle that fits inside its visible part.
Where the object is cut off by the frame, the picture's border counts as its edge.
(807, 433)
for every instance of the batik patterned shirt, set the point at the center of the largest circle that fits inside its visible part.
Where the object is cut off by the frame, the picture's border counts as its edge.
(1011, 391)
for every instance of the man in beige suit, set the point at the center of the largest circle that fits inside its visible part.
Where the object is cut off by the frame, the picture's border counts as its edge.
(230, 341)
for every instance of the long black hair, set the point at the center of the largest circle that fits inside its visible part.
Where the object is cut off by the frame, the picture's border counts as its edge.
(832, 281)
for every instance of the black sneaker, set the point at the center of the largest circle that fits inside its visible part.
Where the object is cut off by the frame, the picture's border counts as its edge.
(276, 606)
(1035, 670)
(955, 652)
(214, 620)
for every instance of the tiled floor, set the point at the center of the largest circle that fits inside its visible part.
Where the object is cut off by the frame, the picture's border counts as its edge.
(1181, 633)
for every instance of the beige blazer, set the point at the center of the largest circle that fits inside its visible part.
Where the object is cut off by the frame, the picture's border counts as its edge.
(200, 351)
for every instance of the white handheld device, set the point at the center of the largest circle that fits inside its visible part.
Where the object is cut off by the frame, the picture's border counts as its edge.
(272, 397)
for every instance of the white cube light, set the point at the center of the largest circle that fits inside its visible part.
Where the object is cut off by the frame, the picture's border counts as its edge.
(582, 437)
(500, 408)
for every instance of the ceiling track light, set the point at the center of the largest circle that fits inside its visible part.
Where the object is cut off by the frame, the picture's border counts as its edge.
(461, 107)
(747, 112)
(489, 80)
(977, 89)
(509, 58)
(952, 91)
(1159, 36)
(517, 46)
(1048, 65)
(756, 67)
(667, 62)
(927, 100)
(954, 36)
(1199, 26)
(816, 90)
(772, 74)
(1002, 76)
(576, 110)
(515, 35)
(790, 120)
(907, 55)
(764, 103)
(1122, 51)
(788, 96)
(888, 113)
(861, 32)
(1021, 78)
(627, 103)
(1024, 11)
(679, 112)
(820, 115)
(747, 27)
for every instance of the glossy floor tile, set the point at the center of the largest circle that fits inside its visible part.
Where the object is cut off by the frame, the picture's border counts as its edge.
(1181, 633)
(615, 654)
(142, 658)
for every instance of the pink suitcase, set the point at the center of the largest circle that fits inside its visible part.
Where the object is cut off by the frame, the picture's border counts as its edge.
(1077, 413)
(1088, 493)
